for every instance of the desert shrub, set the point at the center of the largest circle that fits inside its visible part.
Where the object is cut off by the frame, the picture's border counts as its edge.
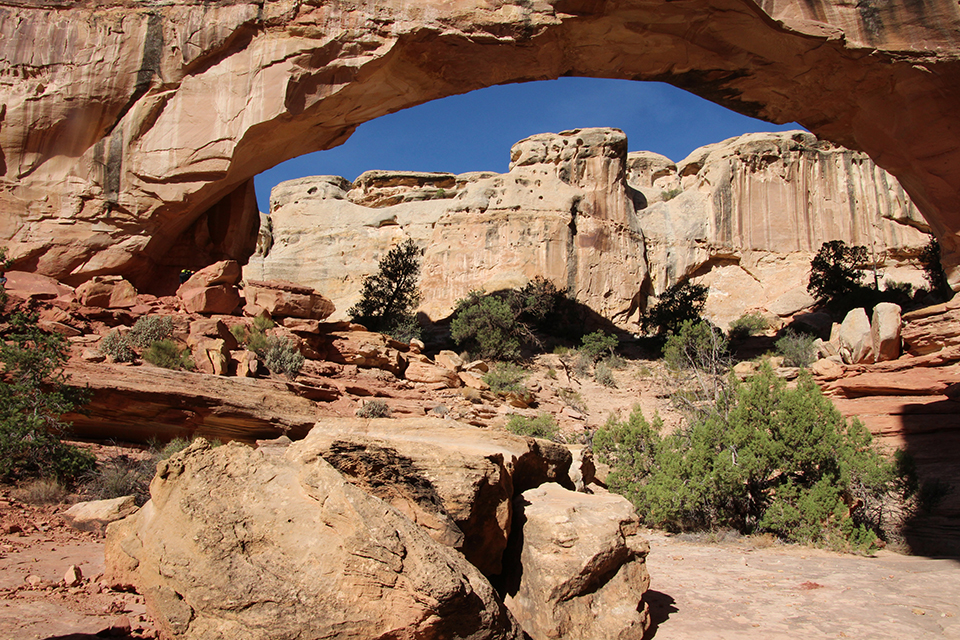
(597, 344)
(682, 302)
(282, 356)
(119, 477)
(506, 377)
(797, 349)
(42, 491)
(389, 297)
(670, 194)
(552, 373)
(34, 394)
(749, 324)
(835, 271)
(240, 333)
(262, 323)
(698, 361)
(903, 290)
(573, 399)
(487, 327)
(374, 409)
(117, 347)
(615, 361)
(603, 374)
(780, 460)
(167, 354)
(537, 302)
(543, 426)
(933, 270)
(581, 365)
(150, 329)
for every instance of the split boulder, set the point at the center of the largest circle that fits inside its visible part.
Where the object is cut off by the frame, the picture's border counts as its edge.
(243, 543)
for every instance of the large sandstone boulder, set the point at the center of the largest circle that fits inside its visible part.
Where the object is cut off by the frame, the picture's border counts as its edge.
(108, 292)
(239, 544)
(287, 300)
(855, 340)
(212, 290)
(885, 331)
(578, 570)
(456, 481)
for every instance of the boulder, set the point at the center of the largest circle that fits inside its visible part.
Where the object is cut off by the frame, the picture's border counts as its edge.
(826, 369)
(855, 341)
(243, 543)
(222, 299)
(213, 328)
(362, 348)
(210, 355)
(244, 363)
(440, 472)
(885, 331)
(34, 286)
(449, 360)
(578, 569)
(286, 299)
(417, 371)
(107, 292)
(95, 515)
(225, 272)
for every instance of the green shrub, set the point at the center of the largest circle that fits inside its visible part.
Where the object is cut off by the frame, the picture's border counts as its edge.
(150, 329)
(699, 362)
(581, 365)
(597, 344)
(167, 354)
(749, 324)
(682, 302)
(543, 426)
(487, 327)
(537, 303)
(34, 394)
(603, 374)
(506, 377)
(797, 349)
(261, 324)
(374, 409)
(117, 347)
(615, 361)
(390, 297)
(782, 461)
(240, 333)
(283, 356)
(670, 194)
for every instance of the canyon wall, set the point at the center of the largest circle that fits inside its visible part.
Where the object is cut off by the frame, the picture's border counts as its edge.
(130, 130)
(744, 216)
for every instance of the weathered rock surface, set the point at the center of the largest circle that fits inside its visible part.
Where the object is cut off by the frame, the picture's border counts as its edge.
(130, 138)
(579, 570)
(288, 300)
(136, 404)
(458, 482)
(579, 211)
(748, 214)
(563, 212)
(932, 329)
(238, 543)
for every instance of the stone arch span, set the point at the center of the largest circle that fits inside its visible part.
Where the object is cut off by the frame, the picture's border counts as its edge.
(130, 130)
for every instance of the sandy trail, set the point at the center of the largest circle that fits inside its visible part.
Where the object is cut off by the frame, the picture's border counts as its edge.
(736, 590)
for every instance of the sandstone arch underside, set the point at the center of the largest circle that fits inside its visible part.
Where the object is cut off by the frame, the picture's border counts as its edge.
(130, 131)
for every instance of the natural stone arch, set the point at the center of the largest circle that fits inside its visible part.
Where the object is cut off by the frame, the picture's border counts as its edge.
(130, 131)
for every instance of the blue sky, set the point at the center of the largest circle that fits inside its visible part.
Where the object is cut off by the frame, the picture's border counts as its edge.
(474, 131)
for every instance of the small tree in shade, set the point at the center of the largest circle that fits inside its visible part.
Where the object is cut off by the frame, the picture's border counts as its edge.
(834, 272)
(680, 303)
(390, 296)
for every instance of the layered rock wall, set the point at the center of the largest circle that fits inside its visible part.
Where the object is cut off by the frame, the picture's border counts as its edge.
(744, 216)
(129, 131)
